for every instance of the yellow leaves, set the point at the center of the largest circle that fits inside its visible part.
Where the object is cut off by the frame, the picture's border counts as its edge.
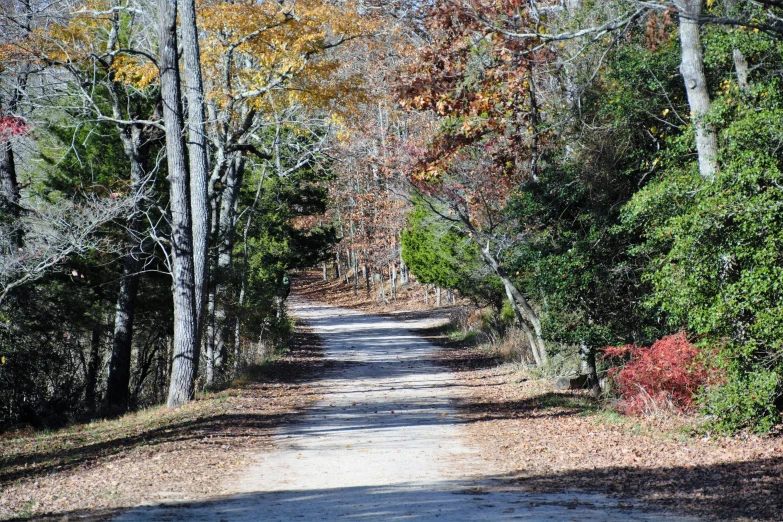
(2, 360)
(710, 2)
(278, 46)
(131, 71)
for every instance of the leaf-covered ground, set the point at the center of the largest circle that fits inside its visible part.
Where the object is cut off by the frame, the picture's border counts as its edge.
(91, 471)
(545, 440)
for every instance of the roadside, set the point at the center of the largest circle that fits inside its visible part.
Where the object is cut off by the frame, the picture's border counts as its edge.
(543, 440)
(93, 471)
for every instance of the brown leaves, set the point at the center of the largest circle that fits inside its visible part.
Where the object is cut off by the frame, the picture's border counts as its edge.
(544, 440)
(157, 454)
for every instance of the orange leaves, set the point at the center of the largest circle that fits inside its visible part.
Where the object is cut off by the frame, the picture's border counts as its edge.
(134, 71)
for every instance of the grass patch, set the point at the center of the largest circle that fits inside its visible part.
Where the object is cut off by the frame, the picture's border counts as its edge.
(469, 338)
(27, 453)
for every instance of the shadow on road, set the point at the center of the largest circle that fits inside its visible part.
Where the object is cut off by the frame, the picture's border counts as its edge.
(713, 492)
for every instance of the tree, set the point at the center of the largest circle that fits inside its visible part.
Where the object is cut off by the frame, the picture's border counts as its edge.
(438, 254)
(197, 156)
(482, 87)
(186, 350)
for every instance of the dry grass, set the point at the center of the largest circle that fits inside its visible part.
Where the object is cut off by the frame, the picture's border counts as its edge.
(156, 454)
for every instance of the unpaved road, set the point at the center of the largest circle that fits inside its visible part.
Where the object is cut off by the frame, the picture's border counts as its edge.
(383, 444)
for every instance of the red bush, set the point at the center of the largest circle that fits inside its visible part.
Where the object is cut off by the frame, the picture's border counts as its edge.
(669, 372)
(12, 126)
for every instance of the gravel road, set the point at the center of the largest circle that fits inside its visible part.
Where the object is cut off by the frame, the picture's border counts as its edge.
(384, 443)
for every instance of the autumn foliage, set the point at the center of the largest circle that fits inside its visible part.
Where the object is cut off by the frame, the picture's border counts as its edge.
(668, 373)
(11, 126)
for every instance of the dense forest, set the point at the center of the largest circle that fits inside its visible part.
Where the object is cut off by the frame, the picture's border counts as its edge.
(602, 178)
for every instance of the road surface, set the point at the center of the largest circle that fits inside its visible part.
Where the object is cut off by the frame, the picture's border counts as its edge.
(384, 444)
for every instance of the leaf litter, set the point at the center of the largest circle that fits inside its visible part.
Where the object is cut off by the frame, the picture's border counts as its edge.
(93, 471)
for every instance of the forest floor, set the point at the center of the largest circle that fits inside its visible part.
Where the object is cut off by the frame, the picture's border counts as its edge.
(95, 471)
(543, 440)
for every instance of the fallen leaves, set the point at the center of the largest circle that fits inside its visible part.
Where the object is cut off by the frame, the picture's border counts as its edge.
(547, 441)
(186, 453)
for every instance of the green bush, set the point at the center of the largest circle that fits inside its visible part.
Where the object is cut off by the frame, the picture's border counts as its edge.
(745, 400)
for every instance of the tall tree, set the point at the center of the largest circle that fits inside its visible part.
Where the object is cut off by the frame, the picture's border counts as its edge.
(197, 154)
(186, 350)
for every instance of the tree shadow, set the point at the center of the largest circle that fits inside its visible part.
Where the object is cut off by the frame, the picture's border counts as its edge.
(731, 491)
(300, 366)
(453, 501)
(750, 490)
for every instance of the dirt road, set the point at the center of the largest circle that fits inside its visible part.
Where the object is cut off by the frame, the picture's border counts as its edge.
(384, 444)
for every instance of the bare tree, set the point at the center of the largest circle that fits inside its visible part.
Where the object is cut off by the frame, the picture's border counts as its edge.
(53, 231)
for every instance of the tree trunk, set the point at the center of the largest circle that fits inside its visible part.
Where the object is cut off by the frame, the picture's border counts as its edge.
(218, 341)
(210, 330)
(325, 276)
(366, 275)
(355, 274)
(587, 354)
(437, 297)
(244, 275)
(337, 265)
(184, 365)
(692, 70)
(427, 295)
(9, 191)
(741, 66)
(525, 314)
(117, 385)
(93, 365)
(403, 270)
(197, 155)
(383, 285)
(393, 280)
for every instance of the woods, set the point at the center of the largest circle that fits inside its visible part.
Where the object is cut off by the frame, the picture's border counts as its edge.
(109, 204)
(602, 180)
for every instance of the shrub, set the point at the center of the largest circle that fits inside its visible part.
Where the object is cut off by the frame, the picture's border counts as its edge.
(745, 400)
(668, 373)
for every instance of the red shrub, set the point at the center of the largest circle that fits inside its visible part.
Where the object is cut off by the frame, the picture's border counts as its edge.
(669, 372)
(12, 126)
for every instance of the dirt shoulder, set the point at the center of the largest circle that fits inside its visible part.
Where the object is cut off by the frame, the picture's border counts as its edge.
(93, 471)
(544, 440)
